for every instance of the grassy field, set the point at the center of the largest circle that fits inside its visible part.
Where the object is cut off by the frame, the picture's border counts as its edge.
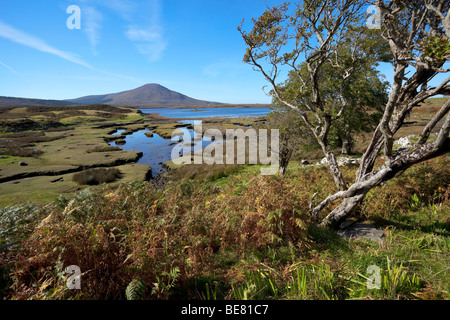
(66, 141)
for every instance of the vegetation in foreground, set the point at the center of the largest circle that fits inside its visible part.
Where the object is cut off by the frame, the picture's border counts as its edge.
(235, 236)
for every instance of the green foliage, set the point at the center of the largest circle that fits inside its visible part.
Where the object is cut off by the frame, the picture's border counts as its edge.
(365, 92)
(164, 283)
(336, 89)
(316, 282)
(437, 49)
(135, 290)
(259, 285)
(395, 282)
(15, 224)
(295, 138)
(426, 184)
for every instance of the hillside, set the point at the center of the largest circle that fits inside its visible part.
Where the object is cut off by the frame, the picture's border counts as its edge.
(149, 95)
(26, 102)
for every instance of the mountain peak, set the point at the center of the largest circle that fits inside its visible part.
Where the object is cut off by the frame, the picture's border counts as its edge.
(148, 95)
(151, 85)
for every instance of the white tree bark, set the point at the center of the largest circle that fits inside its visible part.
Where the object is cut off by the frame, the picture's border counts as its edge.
(404, 97)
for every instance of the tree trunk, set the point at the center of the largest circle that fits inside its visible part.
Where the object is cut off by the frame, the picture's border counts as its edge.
(346, 141)
(285, 157)
(346, 208)
(346, 144)
(337, 175)
(345, 147)
(355, 194)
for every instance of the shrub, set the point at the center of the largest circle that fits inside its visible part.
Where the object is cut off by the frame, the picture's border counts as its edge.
(424, 184)
(204, 171)
(14, 224)
(96, 176)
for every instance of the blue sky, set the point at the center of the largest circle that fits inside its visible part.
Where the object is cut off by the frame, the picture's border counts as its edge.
(190, 46)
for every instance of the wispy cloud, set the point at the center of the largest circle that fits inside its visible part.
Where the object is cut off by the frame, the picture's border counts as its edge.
(9, 32)
(148, 40)
(20, 37)
(141, 20)
(12, 70)
(145, 30)
(92, 24)
(126, 9)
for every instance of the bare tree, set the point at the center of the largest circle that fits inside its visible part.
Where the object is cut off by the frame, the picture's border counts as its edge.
(417, 33)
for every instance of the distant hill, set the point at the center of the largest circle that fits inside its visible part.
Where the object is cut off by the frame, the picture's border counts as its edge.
(149, 95)
(25, 102)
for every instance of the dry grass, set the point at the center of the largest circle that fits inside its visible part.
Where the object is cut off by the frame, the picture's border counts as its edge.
(96, 176)
(431, 106)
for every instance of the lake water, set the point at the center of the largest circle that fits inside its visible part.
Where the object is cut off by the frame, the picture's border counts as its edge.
(157, 150)
(209, 112)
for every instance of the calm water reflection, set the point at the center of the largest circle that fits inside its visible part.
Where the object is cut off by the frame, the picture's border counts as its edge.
(209, 112)
(157, 150)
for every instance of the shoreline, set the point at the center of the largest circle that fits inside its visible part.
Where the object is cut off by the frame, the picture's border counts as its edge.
(157, 116)
(215, 106)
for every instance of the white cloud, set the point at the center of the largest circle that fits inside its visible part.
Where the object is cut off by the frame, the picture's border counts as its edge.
(141, 17)
(92, 20)
(146, 31)
(20, 37)
(148, 40)
(126, 9)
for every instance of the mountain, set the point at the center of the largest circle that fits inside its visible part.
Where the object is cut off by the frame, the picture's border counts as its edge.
(149, 95)
(25, 102)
